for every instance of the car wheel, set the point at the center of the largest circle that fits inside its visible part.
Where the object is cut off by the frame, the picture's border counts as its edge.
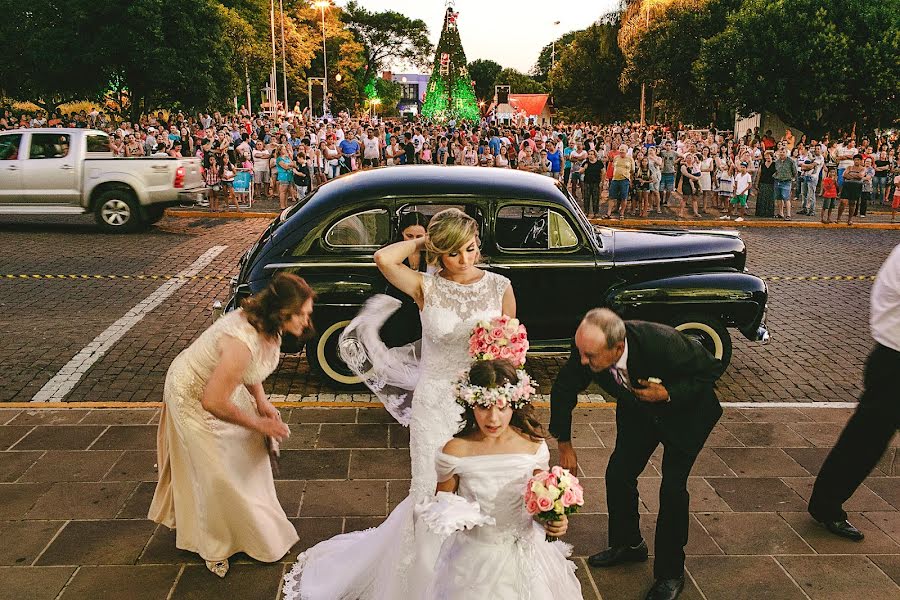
(117, 211)
(154, 214)
(710, 332)
(322, 354)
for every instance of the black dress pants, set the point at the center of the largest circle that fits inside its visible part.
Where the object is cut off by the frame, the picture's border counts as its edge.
(637, 437)
(864, 439)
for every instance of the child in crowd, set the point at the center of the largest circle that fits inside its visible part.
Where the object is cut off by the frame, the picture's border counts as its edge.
(725, 179)
(228, 173)
(742, 182)
(829, 194)
(302, 179)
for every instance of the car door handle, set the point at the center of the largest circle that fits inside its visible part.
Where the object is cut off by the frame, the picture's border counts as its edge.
(12, 168)
(66, 167)
(160, 168)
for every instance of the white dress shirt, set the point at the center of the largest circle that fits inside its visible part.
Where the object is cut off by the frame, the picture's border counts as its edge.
(885, 317)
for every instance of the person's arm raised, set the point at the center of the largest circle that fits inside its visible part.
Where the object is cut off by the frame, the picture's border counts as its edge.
(390, 262)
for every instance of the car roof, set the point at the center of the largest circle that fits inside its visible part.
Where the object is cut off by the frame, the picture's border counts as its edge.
(430, 180)
(55, 130)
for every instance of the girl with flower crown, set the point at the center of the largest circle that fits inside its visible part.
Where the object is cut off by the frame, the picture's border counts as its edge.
(503, 553)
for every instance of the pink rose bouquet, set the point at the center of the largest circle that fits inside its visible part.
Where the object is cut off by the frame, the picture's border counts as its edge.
(552, 494)
(499, 338)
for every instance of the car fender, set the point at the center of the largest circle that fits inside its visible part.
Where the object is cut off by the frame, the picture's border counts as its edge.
(737, 299)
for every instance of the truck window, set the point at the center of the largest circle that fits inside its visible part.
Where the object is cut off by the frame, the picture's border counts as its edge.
(9, 146)
(49, 145)
(97, 143)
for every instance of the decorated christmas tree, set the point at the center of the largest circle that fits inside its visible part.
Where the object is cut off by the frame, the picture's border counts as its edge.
(450, 94)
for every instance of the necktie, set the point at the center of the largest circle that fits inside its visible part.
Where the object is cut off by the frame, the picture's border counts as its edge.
(621, 377)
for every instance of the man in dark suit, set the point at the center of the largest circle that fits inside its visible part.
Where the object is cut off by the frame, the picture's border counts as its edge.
(664, 383)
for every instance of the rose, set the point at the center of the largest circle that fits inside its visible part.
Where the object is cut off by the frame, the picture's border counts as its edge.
(531, 505)
(497, 333)
(544, 504)
(569, 498)
(506, 353)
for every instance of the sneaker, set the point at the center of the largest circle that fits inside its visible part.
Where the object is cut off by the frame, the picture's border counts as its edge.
(724, 218)
(862, 216)
(739, 219)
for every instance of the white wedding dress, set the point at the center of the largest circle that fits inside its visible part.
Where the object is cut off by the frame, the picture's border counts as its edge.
(395, 561)
(509, 559)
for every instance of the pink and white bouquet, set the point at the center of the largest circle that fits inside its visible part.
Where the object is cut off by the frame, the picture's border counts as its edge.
(552, 494)
(500, 338)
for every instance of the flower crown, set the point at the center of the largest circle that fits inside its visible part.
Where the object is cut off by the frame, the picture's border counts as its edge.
(515, 395)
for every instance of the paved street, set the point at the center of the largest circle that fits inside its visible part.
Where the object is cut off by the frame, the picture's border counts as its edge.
(819, 327)
(75, 486)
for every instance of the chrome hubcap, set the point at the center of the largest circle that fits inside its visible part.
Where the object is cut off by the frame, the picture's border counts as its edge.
(115, 212)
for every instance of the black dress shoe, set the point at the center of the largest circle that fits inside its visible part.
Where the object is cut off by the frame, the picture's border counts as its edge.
(619, 555)
(844, 529)
(666, 589)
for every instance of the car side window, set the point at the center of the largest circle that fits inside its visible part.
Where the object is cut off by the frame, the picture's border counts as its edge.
(49, 145)
(362, 230)
(98, 143)
(428, 210)
(9, 146)
(520, 227)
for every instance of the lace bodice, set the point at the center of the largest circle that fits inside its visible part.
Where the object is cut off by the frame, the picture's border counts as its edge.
(497, 484)
(191, 370)
(450, 312)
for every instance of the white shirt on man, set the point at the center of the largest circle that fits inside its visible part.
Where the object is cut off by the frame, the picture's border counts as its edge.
(885, 317)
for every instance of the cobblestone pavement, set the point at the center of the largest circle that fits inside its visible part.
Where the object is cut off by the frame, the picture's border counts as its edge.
(820, 332)
(75, 486)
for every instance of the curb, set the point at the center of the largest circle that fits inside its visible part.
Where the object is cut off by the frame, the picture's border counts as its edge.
(718, 224)
(280, 404)
(199, 214)
(630, 223)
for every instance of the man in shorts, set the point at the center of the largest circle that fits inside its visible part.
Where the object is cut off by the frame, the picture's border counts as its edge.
(785, 173)
(260, 169)
(667, 181)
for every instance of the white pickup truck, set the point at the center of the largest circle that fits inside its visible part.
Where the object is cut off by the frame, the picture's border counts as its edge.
(73, 171)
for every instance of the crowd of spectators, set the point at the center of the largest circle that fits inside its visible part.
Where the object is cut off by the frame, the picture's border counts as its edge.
(650, 171)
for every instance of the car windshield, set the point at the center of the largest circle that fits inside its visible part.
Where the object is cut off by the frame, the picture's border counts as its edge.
(582, 218)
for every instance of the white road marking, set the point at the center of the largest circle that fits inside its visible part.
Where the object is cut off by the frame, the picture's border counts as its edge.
(789, 404)
(68, 377)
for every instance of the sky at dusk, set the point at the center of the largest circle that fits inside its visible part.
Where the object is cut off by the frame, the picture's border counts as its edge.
(511, 33)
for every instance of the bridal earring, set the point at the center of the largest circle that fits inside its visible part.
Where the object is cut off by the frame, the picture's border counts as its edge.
(219, 567)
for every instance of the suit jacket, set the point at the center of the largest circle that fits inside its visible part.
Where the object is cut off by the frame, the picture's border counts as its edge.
(687, 370)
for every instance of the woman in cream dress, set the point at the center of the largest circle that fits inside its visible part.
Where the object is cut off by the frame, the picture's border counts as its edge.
(215, 478)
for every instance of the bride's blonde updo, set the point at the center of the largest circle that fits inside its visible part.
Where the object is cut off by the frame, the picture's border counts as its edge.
(447, 232)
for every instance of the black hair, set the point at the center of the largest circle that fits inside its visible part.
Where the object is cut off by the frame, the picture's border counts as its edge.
(413, 218)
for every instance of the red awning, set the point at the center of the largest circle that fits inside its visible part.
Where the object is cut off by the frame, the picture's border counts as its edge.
(532, 104)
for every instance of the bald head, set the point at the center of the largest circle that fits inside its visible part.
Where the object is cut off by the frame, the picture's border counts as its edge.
(600, 339)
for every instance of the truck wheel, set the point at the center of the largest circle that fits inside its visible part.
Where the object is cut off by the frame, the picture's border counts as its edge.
(117, 211)
(322, 355)
(154, 214)
(709, 332)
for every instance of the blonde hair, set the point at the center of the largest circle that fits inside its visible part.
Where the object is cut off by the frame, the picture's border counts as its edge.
(447, 232)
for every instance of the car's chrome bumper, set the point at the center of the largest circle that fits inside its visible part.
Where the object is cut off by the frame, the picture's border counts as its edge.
(762, 334)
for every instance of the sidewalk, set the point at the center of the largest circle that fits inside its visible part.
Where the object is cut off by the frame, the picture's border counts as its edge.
(878, 217)
(75, 485)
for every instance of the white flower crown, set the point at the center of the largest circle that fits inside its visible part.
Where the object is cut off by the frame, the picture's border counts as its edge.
(515, 395)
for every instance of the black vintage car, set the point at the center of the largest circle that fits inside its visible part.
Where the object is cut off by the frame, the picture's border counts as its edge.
(532, 232)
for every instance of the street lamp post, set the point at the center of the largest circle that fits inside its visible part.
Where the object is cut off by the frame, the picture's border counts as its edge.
(322, 5)
(274, 79)
(283, 56)
(553, 47)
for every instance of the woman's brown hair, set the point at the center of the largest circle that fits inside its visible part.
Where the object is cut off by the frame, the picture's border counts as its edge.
(283, 297)
(494, 373)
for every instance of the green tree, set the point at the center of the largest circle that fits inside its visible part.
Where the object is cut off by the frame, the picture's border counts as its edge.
(661, 41)
(840, 67)
(541, 69)
(585, 81)
(450, 94)
(484, 72)
(387, 37)
(54, 50)
(519, 82)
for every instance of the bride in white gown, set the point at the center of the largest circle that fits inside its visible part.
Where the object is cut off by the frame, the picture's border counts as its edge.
(396, 560)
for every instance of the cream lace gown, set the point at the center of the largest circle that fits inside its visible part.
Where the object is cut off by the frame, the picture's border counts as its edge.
(396, 560)
(511, 559)
(215, 479)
